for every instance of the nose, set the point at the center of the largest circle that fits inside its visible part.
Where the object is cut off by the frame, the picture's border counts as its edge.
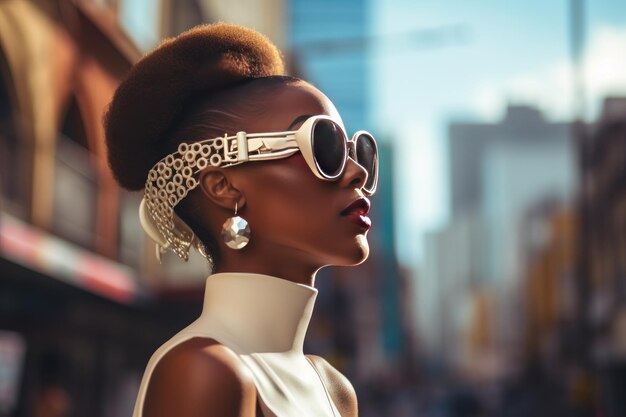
(354, 175)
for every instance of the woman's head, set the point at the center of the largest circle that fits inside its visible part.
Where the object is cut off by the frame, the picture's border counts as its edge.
(293, 214)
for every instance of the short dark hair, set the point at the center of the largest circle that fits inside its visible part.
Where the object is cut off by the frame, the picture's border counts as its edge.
(155, 95)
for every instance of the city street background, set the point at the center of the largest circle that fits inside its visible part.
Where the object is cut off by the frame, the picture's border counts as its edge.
(496, 283)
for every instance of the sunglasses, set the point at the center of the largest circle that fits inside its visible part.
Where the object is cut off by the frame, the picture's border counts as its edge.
(321, 140)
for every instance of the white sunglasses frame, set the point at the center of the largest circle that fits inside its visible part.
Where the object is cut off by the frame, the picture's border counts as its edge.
(244, 147)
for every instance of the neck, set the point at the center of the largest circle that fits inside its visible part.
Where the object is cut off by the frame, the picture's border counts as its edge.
(262, 313)
(298, 273)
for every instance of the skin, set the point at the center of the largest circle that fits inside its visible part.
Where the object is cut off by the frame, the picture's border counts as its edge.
(296, 230)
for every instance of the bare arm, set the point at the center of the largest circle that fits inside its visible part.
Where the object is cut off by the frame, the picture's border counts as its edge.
(340, 389)
(200, 378)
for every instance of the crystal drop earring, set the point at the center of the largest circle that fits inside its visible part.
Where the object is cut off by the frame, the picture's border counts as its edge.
(236, 231)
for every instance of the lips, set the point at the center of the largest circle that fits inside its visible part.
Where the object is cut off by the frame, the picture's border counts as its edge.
(360, 206)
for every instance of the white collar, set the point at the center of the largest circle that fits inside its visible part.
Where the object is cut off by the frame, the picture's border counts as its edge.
(260, 313)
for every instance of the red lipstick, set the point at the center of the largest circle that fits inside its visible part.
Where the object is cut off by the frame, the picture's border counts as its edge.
(357, 212)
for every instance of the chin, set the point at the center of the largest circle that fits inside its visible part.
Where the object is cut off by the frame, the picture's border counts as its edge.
(357, 254)
(363, 249)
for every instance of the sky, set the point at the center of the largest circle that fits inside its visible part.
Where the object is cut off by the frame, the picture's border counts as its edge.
(142, 20)
(472, 59)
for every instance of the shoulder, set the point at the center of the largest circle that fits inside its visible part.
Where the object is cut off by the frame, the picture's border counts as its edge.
(339, 387)
(200, 377)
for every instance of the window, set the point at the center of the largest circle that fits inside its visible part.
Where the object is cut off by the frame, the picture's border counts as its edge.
(75, 183)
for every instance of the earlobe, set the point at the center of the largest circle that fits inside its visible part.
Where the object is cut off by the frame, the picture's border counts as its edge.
(218, 187)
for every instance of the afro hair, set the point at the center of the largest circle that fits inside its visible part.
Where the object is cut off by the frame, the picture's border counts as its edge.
(153, 97)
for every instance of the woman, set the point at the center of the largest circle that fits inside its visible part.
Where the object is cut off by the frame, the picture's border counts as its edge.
(267, 208)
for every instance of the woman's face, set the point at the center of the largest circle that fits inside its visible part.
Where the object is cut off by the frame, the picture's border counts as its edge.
(291, 212)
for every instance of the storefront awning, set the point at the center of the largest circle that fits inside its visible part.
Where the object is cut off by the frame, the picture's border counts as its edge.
(24, 244)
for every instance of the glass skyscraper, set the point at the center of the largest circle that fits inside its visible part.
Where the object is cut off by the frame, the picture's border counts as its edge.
(330, 41)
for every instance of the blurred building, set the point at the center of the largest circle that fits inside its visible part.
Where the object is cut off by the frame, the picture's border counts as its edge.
(550, 250)
(509, 290)
(574, 308)
(497, 172)
(66, 296)
(604, 210)
(448, 282)
(267, 16)
(329, 44)
(469, 144)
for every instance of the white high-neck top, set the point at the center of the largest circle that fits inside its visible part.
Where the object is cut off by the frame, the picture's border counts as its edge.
(263, 319)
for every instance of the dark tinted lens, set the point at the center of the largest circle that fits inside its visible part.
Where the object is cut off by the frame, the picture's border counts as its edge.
(366, 157)
(329, 147)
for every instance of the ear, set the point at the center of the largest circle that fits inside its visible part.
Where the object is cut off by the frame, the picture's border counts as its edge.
(217, 186)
